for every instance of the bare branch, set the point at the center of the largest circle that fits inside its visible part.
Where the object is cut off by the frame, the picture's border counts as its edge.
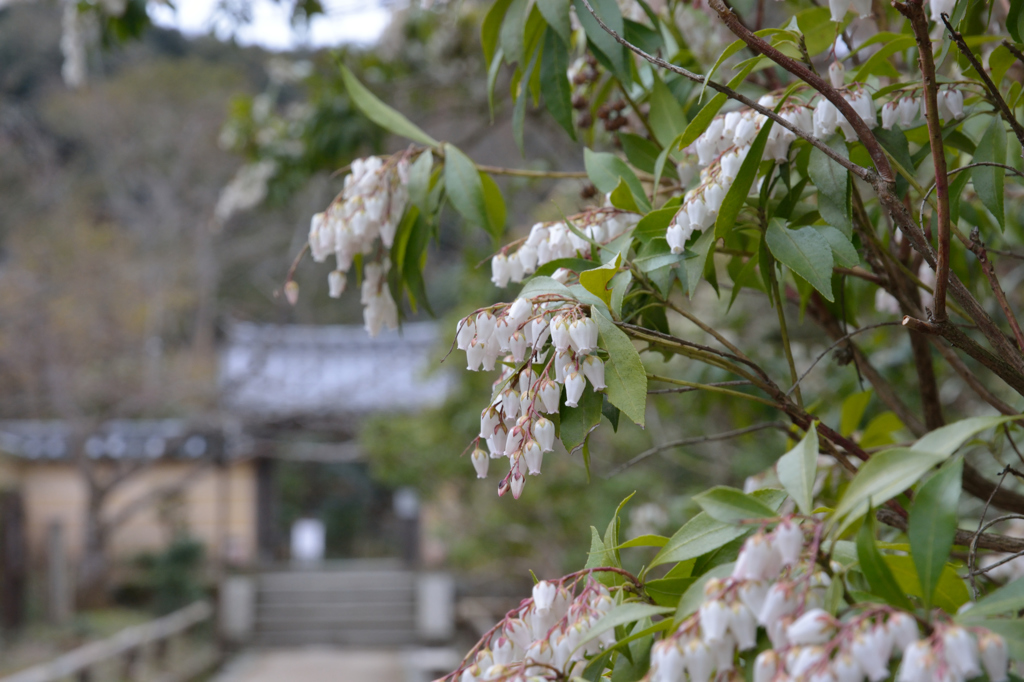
(978, 248)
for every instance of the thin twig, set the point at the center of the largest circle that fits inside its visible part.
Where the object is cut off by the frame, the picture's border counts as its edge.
(978, 248)
(1014, 51)
(973, 548)
(837, 342)
(695, 441)
(711, 389)
(688, 389)
(993, 91)
(961, 168)
(525, 173)
(860, 171)
(913, 10)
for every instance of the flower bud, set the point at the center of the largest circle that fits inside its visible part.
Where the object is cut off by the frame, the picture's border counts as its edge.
(539, 333)
(714, 620)
(766, 665)
(510, 403)
(549, 393)
(837, 74)
(336, 283)
(903, 630)
(291, 292)
(743, 626)
(485, 322)
(528, 258)
(561, 275)
(788, 541)
(560, 336)
(517, 482)
(908, 108)
(475, 355)
(667, 662)
(544, 594)
(519, 312)
(890, 112)
(813, 627)
(961, 652)
(517, 345)
(838, 9)
(676, 237)
(519, 632)
(464, 333)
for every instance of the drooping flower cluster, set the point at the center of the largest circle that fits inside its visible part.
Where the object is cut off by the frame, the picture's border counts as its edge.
(552, 241)
(776, 585)
(361, 220)
(721, 150)
(543, 638)
(513, 424)
(909, 111)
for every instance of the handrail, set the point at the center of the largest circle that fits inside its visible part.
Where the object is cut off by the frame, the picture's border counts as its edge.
(135, 637)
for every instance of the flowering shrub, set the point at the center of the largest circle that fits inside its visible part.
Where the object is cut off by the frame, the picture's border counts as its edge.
(799, 196)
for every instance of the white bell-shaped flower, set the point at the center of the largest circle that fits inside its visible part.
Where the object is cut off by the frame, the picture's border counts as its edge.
(502, 651)
(752, 593)
(528, 258)
(743, 626)
(837, 73)
(813, 627)
(667, 662)
(490, 418)
(549, 393)
(544, 594)
(909, 108)
(475, 355)
(565, 362)
(560, 336)
(534, 456)
(516, 483)
(500, 270)
(954, 102)
(838, 9)
(730, 165)
(497, 441)
(574, 385)
(994, 656)
(510, 402)
(583, 334)
(517, 345)
(758, 559)
(465, 333)
(918, 664)
(698, 214)
(676, 237)
(861, 8)
(593, 370)
(788, 540)
(519, 312)
(336, 283)
(940, 7)
(865, 651)
(700, 662)
(826, 117)
(491, 352)
(961, 652)
(903, 630)
(515, 268)
(714, 620)
(846, 669)
(519, 632)
(485, 322)
(780, 601)
(481, 461)
(890, 114)
(503, 330)
(544, 433)
(766, 666)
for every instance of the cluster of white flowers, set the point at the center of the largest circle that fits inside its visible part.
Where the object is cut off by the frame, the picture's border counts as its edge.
(363, 218)
(552, 241)
(908, 110)
(543, 638)
(513, 425)
(720, 151)
(775, 584)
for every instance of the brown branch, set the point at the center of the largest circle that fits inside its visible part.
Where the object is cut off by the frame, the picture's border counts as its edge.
(1014, 51)
(913, 10)
(998, 543)
(859, 171)
(993, 91)
(976, 484)
(800, 70)
(965, 373)
(978, 248)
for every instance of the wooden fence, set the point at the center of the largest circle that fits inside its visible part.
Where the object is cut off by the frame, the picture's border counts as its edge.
(151, 652)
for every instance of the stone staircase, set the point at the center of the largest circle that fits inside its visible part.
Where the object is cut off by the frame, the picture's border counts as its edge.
(354, 603)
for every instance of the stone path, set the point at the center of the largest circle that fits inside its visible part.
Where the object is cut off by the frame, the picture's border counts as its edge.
(324, 664)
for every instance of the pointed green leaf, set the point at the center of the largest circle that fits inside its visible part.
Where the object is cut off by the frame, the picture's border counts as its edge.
(622, 614)
(877, 572)
(554, 83)
(576, 423)
(834, 187)
(736, 197)
(805, 252)
(605, 170)
(556, 13)
(1008, 599)
(988, 180)
(465, 187)
(655, 224)
(950, 592)
(666, 117)
(853, 411)
(947, 439)
(596, 280)
(932, 525)
(730, 505)
(606, 45)
(797, 468)
(843, 251)
(381, 113)
(884, 476)
(624, 372)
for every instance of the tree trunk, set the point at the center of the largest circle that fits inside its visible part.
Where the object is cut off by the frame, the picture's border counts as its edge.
(94, 568)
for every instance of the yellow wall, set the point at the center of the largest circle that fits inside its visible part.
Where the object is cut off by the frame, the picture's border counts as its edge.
(218, 505)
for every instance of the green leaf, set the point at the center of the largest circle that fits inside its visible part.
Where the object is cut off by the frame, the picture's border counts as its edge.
(666, 116)
(381, 113)
(988, 180)
(805, 251)
(956, 190)
(843, 251)
(494, 204)
(624, 372)
(643, 154)
(695, 267)
(797, 468)
(834, 187)
(554, 83)
(1008, 599)
(539, 285)
(932, 525)
(1015, 21)
(596, 280)
(465, 186)
(622, 197)
(730, 505)
(947, 439)
(878, 64)
(605, 170)
(733, 47)
(880, 430)
(600, 554)
(950, 592)
(419, 180)
(853, 411)
(884, 476)
(605, 44)
(556, 13)
(576, 423)
(622, 614)
(703, 534)
(740, 188)
(513, 31)
(491, 28)
(655, 224)
(877, 572)
(668, 591)
(707, 114)
(645, 541)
